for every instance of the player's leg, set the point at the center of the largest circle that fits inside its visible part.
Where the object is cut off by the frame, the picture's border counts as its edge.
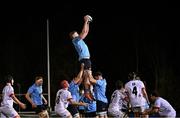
(101, 109)
(74, 111)
(87, 86)
(136, 111)
(9, 112)
(64, 113)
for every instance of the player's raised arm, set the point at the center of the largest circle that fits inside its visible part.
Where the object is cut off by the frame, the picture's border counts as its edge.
(78, 78)
(91, 78)
(85, 29)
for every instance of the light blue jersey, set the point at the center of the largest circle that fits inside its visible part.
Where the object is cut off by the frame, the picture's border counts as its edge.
(74, 89)
(81, 100)
(36, 94)
(100, 90)
(91, 107)
(81, 48)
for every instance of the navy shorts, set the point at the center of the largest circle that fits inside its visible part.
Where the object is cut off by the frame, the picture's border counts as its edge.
(101, 106)
(90, 115)
(87, 63)
(40, 108)
(72, 109)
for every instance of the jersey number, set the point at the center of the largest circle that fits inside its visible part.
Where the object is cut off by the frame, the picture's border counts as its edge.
(135, 90)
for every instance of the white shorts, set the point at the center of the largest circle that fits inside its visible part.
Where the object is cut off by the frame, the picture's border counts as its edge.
(64, 114)
(7, 111)
(139, 109)
(117, 114)
(144, 107)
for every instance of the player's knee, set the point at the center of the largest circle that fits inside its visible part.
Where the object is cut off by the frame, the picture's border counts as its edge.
(76, 115)
(44, 114)
(17, 116)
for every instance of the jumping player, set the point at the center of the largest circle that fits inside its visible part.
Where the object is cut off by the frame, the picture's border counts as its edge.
(83, 51)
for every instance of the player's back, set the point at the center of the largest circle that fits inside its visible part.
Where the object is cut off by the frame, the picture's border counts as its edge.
(134, 89)
(61, 99)
(165, 107)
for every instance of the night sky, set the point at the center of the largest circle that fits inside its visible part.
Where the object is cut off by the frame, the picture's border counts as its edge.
(124, 36)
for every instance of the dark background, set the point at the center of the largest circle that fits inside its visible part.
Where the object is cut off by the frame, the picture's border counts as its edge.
(124, 36)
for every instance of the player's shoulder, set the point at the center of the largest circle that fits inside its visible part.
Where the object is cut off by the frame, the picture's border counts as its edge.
(160, 99)
(129, 83)
(32, 86)
(116, 92)
(8, 87)
(63, 91)
(76, 39)
(140, 82)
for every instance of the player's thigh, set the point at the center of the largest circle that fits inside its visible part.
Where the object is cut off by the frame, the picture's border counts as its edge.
(116, 114)
(9, 112)
(64, 113)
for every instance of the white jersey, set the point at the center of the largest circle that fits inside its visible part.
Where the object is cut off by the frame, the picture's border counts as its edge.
(62, 97)
(6, 96)
(165, 109)
(118, 101)
(134, 89)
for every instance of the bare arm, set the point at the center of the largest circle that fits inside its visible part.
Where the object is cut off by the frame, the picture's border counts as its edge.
(79, 76)
(29, 99)
(77, 103)
(145, 95)
(147, 111)
(155, 110)
(45, 101)
(151, 110)
(91, 78)
(85, 29)
(22, 105)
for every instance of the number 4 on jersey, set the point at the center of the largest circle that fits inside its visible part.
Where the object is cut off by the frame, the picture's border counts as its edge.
(134, 90)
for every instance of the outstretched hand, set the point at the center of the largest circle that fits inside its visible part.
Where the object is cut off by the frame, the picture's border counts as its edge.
(88, 18)
(89, 72)
(83, 104)
(82, 66)
(145, 112)
(22, 105)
